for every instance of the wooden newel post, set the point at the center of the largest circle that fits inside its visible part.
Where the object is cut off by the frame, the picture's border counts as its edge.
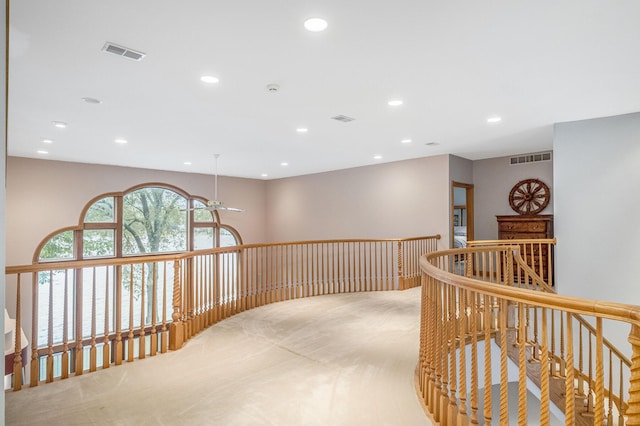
(176, 328)
(400, 277)
(633, 412)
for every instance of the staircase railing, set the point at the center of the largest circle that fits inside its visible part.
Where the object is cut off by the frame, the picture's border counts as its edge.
(484, 306)
(534, 270)
(82, 316)
(538, 254)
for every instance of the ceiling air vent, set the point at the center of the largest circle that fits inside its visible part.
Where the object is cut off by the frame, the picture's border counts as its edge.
(530, 158)
(123, 51)
(342, 118)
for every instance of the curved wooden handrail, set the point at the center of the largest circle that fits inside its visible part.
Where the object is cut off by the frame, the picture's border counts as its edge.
(543, 285)
(463, 305)
(174, 296)
(113, 261)
(577, 305)
(538, 251)
(491, 243)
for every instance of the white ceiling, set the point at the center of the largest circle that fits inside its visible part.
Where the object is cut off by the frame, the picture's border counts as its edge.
(454, 64)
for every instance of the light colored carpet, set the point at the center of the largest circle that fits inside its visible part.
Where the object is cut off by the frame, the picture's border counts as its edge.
(327, 360)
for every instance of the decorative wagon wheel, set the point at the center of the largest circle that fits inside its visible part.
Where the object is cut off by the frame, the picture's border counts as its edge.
(529, 197)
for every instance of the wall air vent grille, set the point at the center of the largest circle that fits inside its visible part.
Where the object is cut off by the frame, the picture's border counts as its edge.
(342, 118)
(123, 51)
(530, 158)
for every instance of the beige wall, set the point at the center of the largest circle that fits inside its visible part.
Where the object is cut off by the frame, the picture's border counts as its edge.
(460, 169)
(43, 196)
(493, 179)
(401, 199)
(391, 200)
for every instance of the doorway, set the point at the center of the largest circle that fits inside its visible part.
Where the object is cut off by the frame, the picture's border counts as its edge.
(461, 214)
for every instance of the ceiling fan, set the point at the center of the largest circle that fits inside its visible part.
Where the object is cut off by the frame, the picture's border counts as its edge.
(215, 204)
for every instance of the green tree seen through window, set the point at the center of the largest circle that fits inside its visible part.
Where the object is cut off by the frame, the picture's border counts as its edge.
(101, 211)
(59, 247)
(154, 221)
(144, 221)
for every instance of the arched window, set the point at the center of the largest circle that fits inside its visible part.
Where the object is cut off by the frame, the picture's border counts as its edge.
(146, 219)
(75, 305)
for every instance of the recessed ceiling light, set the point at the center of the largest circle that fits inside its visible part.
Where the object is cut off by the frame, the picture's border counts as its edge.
(59, 124)
(47, 141)
(42, 151)
(302, 130)
(120, 141)
(91, 100)
(395, 102)
(187, 163)
(209, 79)
(377, 157)
(494, 119)
(406, 141)
(264, 175)
(284, 163)
(315, 24)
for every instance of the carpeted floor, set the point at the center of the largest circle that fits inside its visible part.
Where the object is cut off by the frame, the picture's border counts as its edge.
(328, 360)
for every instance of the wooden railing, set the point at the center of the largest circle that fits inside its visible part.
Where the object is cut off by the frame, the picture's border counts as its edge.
(538, 254)
(489, 319)
(92, 314)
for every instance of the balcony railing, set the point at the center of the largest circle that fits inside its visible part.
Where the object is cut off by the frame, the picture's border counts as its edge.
(489, 319)
(538, 254)
(86, 315)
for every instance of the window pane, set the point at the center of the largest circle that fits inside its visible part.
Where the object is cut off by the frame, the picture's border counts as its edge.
(201, 215)
(52, 287)
(58, 247)
(104, 277)
(131, 296)
(98, 242)
(154, 221)
(227, 239)
(101, 211)
(203, 238)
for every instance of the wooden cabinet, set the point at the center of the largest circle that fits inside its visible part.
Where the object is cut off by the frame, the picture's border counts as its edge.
(526, 228)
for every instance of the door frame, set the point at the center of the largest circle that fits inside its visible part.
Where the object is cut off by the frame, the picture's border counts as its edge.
(468, 206)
